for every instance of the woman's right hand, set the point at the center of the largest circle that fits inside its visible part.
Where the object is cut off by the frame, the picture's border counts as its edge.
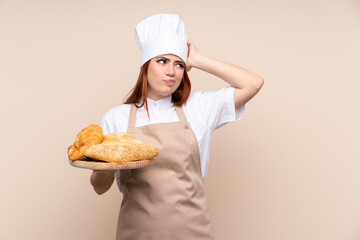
(101, 180)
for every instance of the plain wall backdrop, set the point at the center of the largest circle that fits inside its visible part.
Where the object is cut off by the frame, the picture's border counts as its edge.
(290, 169)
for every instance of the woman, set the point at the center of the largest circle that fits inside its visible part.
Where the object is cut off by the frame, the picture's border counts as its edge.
(167, 200)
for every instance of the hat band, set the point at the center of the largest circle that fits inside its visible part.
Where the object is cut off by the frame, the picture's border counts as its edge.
(164, 45)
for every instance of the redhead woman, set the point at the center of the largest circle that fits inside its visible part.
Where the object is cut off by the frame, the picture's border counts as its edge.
(167, 199)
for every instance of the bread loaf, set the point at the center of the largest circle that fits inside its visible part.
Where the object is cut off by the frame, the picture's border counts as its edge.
(120, 147)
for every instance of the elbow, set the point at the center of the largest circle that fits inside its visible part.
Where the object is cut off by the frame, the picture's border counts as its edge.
(258, 83)
(255, 85)
(99, 187)
(99, 191)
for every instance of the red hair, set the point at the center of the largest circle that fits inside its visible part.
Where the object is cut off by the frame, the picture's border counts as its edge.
(139, 91)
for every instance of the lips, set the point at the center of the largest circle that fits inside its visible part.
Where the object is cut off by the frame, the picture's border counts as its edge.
(170, 82)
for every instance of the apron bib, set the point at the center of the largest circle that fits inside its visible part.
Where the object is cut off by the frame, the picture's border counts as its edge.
(165, 201)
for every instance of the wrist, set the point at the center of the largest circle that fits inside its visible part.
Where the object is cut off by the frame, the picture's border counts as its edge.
(197, 58)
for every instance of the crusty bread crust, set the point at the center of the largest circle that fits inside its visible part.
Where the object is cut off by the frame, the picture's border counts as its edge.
(120, 137)
(120, 147)
(87, 137)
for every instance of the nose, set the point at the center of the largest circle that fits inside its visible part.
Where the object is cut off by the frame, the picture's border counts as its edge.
(170, 70)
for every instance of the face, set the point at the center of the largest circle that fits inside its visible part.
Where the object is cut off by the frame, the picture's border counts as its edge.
(164, 75)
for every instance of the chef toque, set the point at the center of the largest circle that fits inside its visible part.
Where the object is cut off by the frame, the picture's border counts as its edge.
(161, 34)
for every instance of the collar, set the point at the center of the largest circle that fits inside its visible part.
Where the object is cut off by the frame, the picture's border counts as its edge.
(163, 102)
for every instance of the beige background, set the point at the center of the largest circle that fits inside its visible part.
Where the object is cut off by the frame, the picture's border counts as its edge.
(289, 169)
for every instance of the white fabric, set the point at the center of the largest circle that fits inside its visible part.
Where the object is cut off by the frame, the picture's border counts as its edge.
(205, 111)
(161, 34)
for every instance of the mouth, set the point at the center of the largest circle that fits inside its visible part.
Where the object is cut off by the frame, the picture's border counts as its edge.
(170, 82)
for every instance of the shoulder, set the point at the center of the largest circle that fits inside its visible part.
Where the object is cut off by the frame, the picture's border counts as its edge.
(116, 119)
(118, 111)
(200, 99)
(229, 90)
(213, 108)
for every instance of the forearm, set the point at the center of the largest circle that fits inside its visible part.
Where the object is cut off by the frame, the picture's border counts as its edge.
(102, 181)
(246, 84)
(233, 75)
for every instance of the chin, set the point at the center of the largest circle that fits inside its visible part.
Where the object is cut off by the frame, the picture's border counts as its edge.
(164, 93)
(167, 92)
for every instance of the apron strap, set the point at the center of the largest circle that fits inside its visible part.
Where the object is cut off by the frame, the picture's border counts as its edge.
(181, 114)
(132, 116)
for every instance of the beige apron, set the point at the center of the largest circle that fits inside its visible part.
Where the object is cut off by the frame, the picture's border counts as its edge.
(165, 201)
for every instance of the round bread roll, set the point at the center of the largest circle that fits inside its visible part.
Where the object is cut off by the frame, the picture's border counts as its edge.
(120, 147)
(89, 136)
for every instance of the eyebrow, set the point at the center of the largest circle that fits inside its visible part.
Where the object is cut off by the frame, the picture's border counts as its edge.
(176, 61)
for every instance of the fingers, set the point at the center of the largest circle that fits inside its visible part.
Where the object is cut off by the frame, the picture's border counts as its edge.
(191, 46)
(188, 66)
(192, 55)
(188, 45)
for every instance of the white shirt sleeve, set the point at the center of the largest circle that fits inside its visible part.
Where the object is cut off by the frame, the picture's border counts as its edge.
(116, 119)
(216, 108)
(104, 124)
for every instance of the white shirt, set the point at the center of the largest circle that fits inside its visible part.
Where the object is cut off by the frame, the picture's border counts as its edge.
(205, 112)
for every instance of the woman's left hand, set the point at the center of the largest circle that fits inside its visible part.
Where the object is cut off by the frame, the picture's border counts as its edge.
(192, 55)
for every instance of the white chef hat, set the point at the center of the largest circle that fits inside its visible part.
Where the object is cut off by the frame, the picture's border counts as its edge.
(161, 34)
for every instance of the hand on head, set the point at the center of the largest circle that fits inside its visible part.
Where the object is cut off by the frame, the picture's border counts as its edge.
(192, 52)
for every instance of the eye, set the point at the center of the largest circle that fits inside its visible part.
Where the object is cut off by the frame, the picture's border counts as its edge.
(161, 61)
(181, 65)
